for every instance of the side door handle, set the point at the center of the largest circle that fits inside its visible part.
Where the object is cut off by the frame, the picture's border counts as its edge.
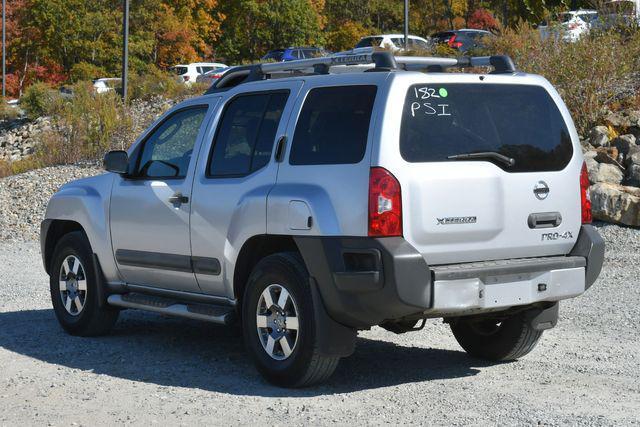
(178, 199)
(281, 145)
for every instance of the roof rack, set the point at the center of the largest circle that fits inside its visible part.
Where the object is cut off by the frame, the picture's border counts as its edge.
(382, 61)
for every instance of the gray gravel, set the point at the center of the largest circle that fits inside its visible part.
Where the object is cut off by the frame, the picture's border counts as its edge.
(158, 370)
(24, 198)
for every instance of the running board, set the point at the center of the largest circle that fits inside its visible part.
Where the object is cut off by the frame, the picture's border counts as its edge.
(211, 313)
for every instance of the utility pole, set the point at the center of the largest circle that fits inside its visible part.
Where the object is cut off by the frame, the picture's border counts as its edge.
(4, 49)
(406, 24)
(125, 48)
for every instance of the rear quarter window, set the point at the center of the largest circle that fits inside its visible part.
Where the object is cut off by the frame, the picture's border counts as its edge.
(333, 126)
(519, 121)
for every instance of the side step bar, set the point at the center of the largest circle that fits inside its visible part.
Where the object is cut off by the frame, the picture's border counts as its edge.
(211, 313)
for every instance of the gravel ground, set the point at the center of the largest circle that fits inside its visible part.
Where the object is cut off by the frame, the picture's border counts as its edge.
(158, 370)
(154, 369)
(24, 198)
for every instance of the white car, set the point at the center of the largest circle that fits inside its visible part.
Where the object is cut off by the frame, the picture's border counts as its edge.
(573, 25)
(106, 84)
(394, 42)
(190, 72)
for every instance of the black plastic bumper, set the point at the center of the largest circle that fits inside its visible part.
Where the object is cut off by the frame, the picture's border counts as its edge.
(590, 245)
(365, 281)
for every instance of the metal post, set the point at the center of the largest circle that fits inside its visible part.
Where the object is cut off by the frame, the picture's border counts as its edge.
(4, 49)
(406, 23)
(125, 48)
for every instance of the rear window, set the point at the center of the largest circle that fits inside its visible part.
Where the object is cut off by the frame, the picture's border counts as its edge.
(520, 122)
(276, 55)
(369, 41)
(333, 126)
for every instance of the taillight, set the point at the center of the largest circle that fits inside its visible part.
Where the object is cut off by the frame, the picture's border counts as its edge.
(385, 204)
(186, 78)
(585, 198)
(453, 43)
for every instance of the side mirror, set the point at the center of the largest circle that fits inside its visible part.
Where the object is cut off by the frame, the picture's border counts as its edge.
(116, 161)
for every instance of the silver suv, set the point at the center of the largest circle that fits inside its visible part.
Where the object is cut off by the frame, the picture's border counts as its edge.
(308, 200)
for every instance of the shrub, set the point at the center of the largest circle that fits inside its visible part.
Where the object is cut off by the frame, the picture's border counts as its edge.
(39, 100)
(85, 71)
(345, 36)
(8, 112)
(88, 121)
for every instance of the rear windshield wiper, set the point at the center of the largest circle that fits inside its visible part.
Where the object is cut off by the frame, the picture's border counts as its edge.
(484, 155)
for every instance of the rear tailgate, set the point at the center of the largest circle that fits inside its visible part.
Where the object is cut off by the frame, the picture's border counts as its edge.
(484, 209)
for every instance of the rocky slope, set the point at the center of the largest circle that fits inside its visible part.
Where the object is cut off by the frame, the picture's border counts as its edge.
(614, 169)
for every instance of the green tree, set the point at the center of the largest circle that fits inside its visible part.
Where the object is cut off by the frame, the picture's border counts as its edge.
(252, 27)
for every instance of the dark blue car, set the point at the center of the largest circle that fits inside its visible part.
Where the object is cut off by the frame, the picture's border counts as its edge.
(293, 53)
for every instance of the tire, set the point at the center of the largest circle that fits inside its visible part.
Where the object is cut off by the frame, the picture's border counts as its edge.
(76, 302)
(296, 362)
(496, 340)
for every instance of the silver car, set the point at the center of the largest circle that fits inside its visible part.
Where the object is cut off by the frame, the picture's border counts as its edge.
(306, 202)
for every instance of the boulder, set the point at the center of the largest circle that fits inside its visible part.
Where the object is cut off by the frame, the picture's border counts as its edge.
(592, 169)
(608, 173)
(633, 158)
(591, 154)
(633, 175)
(609, 156)
(616, 203)
(599, 136)
(619, 119)
(624, 143)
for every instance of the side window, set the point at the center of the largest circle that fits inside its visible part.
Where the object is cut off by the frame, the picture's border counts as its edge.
(167, 151)
(333, 126)
(246, 133)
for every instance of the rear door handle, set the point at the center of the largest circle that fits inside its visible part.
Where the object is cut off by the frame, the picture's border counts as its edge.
(544, 220)
(178, 199)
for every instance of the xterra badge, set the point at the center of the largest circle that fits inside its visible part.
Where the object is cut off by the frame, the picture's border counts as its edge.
(457, 220)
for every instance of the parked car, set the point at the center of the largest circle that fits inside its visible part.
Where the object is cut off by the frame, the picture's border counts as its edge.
(107, 84)
(463, 40)
(211, 76)
(620, 12)
(190, 72)
(293, 53)
(310, 207)
(571, 25)
(394, 42)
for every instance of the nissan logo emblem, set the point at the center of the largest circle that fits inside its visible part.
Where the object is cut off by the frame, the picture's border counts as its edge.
(541, 190)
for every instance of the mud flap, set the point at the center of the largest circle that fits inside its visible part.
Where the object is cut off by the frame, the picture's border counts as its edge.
(334, 339)
(543, 319)
(100, 282)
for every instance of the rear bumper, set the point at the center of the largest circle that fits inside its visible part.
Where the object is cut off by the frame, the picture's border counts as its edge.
(367, 281)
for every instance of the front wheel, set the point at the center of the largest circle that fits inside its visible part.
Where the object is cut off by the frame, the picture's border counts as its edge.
(278, 323)
(74, 289)
(496, 339)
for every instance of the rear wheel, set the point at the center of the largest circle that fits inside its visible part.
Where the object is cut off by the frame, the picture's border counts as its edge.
(496, 339)
(278, 323)
(73, 286)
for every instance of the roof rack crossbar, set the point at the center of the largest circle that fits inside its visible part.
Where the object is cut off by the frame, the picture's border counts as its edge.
(383, 61)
